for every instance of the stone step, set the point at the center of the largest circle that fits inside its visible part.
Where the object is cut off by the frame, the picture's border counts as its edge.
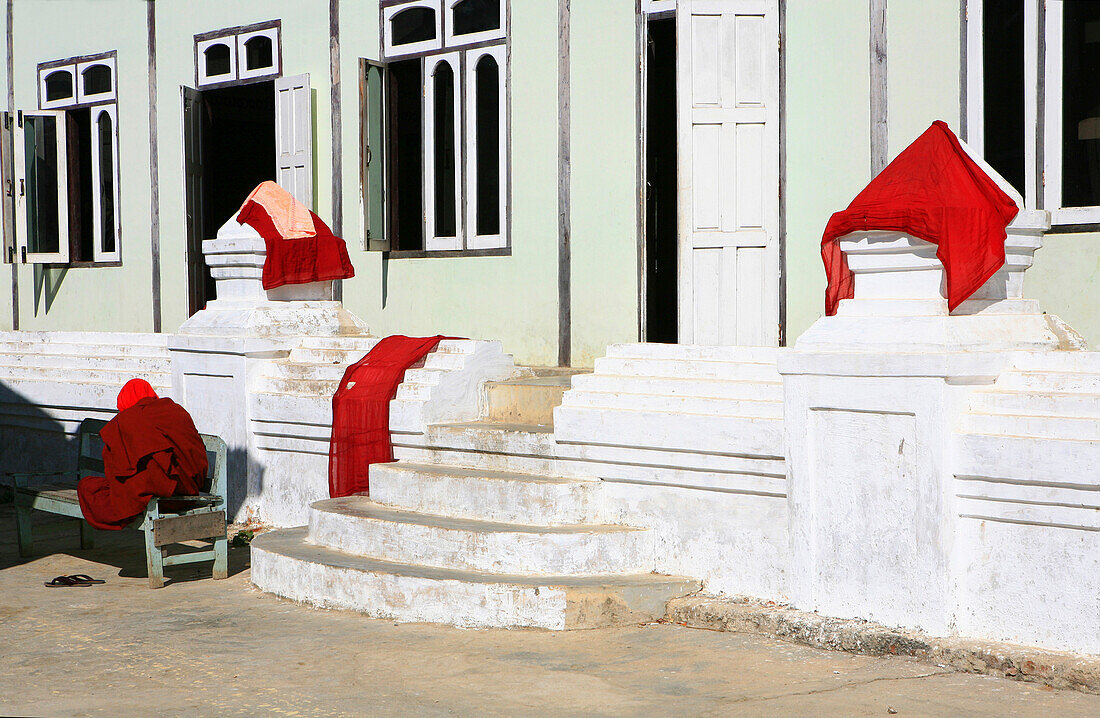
(674, 404)
(1062, 361)
(1051, 427)
(413, 391)
(357, 525)
(286, 564)
(63, 363)
(33, 348)
(1061, 382)
(310, 355)
(528, 400)
(86, 339)
(505, 497)
(356, 343)
(711, 388)
(306, 372)
(1035, 403)
(743, 435)
(702, 369)
(690, 352)
(86, 376)
(1026, 458)
(298, 387)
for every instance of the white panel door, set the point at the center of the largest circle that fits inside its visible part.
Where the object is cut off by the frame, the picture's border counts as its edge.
(294, 137)
(728, 133)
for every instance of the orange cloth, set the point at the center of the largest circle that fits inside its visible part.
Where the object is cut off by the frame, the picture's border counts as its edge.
(291, 218)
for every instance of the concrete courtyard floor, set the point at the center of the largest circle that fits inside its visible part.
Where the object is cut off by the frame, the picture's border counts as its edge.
(200, 647)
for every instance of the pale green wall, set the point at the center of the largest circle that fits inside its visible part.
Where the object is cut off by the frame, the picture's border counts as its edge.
(115, 298)
(1066, 280)
(827, 140)
(511, 298)
(604, 166)
(923, 55)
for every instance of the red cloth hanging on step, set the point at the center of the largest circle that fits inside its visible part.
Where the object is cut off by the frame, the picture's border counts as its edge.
(934, 191)
(296, 254)
(361, 411)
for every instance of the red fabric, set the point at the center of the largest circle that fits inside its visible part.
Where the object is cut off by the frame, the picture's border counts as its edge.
(132, 391)
(361, 411)
(149, 449)
(297, 261)
(933, 191)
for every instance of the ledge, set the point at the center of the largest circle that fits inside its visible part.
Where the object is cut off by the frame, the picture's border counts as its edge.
(740, 615)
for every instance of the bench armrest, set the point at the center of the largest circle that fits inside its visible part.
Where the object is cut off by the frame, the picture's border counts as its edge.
(202, 499)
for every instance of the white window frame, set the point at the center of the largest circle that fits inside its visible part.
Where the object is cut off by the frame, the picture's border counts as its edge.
(201, 47)
(433, 242)
(243, 73)
(62, 255)
(1052, 142)
(109, 96)
(975, 90)
(453, 40)
(475, 240)
(98, 254)
(63, 101)
(388, 13)
(655, 6)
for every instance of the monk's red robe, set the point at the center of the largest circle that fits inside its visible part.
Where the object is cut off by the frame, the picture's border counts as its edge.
(150, 449)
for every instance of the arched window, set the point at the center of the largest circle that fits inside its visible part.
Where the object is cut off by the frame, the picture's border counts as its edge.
(97, 79)
(487, 113)
(106, 171)
(472, 16)
(59, 85)
(444, 135)
(417, 24)
(258, 52)
(217, 59)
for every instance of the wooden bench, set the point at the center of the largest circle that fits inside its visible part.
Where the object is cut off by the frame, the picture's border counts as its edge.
(191, 518)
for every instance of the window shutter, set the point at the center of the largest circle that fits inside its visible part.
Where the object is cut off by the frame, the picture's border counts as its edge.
(294, 137)
(372, 145)
(42, 192)
(7, 185)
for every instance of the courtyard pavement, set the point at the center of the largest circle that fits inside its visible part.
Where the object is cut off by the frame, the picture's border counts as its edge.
(200, 647)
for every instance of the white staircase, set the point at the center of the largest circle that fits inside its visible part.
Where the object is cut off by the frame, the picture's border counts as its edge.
(1029, 445)
(479, 523)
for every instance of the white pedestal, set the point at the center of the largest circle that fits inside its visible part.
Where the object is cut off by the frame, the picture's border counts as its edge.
(219, 351)
(872, 396)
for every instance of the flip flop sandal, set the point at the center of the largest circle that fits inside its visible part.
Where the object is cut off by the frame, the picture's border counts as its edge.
(63, 581)
(85, 578)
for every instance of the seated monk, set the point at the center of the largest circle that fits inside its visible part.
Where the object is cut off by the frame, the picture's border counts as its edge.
(151, 448)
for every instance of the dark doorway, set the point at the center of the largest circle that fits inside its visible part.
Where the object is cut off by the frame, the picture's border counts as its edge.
(661, 186)
(231, 136)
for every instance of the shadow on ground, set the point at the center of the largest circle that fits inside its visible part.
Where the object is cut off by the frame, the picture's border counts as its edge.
(122, 553)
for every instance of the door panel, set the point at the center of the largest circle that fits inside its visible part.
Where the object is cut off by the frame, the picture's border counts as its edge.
(294, 137)
(728, 55)
(193, 198)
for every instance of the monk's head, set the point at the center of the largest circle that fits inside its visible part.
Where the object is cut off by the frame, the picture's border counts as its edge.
(134, 391)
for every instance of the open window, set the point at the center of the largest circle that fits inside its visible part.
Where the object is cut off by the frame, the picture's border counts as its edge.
(372, 166)
(434, 129)
(41, 206)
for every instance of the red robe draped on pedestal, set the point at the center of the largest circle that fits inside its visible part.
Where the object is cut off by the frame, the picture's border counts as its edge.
(149, 449)
(933, 191)
(361, 411)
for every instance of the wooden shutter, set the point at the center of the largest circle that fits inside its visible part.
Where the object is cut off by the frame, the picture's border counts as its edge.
(372, 155)
(42, 197)
(294, 137)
